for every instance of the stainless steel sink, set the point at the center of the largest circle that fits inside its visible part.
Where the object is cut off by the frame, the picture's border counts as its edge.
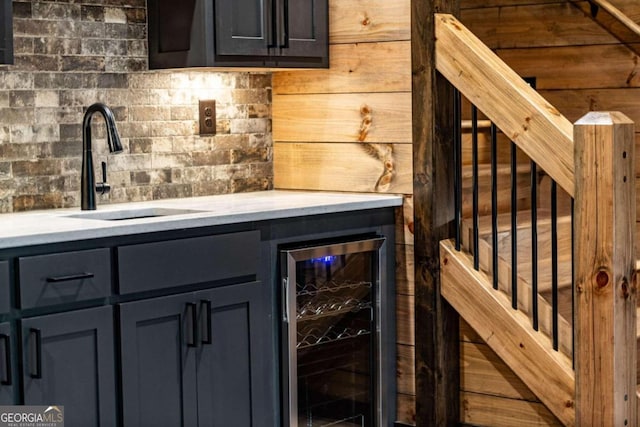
(126, 214)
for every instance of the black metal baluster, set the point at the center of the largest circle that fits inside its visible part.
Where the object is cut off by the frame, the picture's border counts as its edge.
(494, 203)
(534, 244)
(554, 262)
(474, 161)
(514, 227)
(457, 158)
(573, 302)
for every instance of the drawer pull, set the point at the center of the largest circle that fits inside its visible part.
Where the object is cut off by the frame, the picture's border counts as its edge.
(207, 336)
(192, 325)
(7, 359)
(79, 276)
(35, 353)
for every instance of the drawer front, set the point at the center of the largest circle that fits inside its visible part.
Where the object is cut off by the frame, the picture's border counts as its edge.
(182, 262)
(5, 286)
(64, 277)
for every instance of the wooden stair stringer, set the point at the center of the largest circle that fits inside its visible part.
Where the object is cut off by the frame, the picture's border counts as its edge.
(508, 332)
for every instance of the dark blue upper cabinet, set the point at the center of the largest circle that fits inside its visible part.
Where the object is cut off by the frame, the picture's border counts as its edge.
(238, 33)
(6, 32)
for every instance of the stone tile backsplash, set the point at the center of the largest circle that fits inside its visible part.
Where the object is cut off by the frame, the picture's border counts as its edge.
(72, 53)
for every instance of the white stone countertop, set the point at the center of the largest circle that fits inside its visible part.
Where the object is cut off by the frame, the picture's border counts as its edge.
(63, 225)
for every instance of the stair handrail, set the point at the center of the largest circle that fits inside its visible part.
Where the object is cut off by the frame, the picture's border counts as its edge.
(533, 124)
(619, 15)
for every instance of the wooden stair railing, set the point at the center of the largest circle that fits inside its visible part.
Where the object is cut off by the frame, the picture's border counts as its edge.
(507, 100)
(602, 390)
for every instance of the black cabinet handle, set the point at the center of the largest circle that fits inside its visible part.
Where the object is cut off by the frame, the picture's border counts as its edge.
(35, 353)
(79, 276)
(7, 359)
(192, 322)
(205, 309)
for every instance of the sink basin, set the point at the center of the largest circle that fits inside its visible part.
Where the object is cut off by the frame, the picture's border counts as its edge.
(125, 214)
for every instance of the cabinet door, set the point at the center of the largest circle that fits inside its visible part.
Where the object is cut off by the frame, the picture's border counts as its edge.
(6, 32)
(158, 361)
(5, 286)
(243, 27)
(177, 33)
(234, 357)
(7, 378)
(307, 32)
(68, 360)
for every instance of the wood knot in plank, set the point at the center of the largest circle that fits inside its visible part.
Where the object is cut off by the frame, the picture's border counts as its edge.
(367, 119)
(569, 404)
(626, 293)
(366, 21)
(602, 279)
(553, 110)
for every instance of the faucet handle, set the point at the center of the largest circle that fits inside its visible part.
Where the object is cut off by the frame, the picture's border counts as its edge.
(103, 187)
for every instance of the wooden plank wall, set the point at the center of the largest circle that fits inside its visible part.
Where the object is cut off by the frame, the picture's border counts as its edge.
(348, 128)
(579, 67)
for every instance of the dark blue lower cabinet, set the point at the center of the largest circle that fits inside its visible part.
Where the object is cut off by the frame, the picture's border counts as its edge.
(195, 359)
(7, 377)
(68, 360)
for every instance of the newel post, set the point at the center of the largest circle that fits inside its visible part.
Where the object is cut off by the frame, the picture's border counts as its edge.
(605, 284)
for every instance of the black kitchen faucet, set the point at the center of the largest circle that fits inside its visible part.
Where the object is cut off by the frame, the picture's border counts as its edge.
(88, 187)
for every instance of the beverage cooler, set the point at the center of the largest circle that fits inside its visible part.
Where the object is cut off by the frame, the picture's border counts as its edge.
(332, 329)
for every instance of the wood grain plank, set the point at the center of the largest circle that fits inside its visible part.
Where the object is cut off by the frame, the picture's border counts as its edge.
(383, 168)
(482, 371)
(605, 269)
(478, 4)
(359, 67)
(406, 408)
(405, 274)
(574, 103)
(576, 67)
(484, 410)
(437, 348)
(559, 24)
(354, 117)
(468, 334)
(404, 221)
(406, 369)
(354, 21)
(613, 20)
(405, 322)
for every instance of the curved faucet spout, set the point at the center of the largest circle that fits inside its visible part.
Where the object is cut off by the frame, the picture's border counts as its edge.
(87, 180)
